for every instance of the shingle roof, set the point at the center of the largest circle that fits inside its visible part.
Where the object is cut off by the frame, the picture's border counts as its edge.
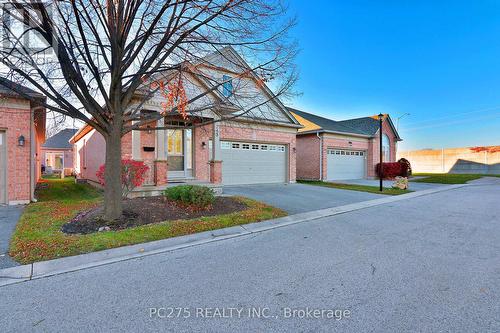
(61, 139)
(9, 88)
(367, 125)
(328, 124)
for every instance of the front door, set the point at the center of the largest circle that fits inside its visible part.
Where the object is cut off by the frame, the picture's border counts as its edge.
(3, 168)
(180, 153)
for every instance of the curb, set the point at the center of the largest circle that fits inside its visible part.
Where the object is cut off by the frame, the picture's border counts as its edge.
(48, 268)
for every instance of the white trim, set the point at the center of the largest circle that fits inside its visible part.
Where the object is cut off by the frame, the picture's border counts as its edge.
(18, 202)
(136, 144)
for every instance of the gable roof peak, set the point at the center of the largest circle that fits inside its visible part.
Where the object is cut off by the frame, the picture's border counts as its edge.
(60, 139)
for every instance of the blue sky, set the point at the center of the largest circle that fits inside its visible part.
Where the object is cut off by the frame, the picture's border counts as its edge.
(437, 60)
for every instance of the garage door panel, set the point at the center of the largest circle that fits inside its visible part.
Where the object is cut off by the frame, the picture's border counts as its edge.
(345, 164)
(264, 164)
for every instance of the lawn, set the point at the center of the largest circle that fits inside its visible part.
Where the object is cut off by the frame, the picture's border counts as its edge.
(360, 188)
(448, 178)
(38, 236)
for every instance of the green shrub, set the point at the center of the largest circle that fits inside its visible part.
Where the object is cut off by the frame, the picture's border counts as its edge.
(199, 196)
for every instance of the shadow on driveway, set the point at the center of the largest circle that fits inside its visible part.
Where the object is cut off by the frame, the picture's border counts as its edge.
(299, 198)
(9, 215)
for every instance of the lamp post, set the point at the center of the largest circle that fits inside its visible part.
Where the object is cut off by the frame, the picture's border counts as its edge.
(402, 116)
(381, 165)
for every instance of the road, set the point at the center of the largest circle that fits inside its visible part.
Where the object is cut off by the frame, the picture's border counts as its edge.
(427, 264)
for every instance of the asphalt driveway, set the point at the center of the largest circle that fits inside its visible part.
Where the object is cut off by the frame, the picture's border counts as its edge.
(299, 198)
(9, 215)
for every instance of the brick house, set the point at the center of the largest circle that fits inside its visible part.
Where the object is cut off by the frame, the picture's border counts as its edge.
(255, 148)
(340, 150)
(22, 132)
(57, 152)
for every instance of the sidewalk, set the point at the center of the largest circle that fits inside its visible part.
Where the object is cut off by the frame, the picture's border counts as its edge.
(9, 215)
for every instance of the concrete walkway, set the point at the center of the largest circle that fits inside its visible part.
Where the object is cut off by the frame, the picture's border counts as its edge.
(9, 215)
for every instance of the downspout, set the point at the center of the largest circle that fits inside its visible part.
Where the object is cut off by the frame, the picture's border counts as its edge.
(320, 156)
(32, 156)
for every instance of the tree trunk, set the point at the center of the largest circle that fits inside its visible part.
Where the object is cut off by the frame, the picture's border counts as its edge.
(113, 205)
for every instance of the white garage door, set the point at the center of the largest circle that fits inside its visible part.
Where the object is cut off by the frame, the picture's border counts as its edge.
(345, 164)
(253, 163)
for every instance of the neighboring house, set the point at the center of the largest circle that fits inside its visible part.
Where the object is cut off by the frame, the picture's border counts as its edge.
(256, 148)
(57, 152)
(22, 132)
(340, 150)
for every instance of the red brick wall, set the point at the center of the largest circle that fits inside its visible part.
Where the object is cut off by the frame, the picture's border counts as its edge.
(127, 146)
(265, 135)
(201, 154)
(308, 156)
(16, 121)
(238, 132)
(374, 149)
(343, 144)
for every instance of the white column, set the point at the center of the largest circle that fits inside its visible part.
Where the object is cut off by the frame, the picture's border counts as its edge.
(215, 142)
(161, 151)
(136, 144)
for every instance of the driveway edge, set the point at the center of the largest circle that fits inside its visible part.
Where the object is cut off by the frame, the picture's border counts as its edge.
(43, 269)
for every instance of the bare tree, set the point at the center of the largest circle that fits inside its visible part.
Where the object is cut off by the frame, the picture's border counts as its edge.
(98, 61)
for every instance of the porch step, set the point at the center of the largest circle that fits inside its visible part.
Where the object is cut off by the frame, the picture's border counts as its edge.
(153, 190)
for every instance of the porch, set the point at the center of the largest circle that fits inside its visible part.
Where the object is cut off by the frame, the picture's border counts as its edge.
(155, 190)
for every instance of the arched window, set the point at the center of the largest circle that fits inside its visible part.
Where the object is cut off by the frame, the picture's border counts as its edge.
(386, 148)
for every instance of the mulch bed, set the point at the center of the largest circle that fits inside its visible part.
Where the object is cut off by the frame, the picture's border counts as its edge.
(141, 211)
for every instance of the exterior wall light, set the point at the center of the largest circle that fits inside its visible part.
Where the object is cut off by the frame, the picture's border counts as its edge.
(21, 141)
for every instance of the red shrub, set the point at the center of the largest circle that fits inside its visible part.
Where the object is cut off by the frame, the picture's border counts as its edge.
(405, 167)
(133, 175)
(391, 170)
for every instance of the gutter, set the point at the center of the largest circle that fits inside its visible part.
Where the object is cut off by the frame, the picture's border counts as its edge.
(336, 132)
(32, 155)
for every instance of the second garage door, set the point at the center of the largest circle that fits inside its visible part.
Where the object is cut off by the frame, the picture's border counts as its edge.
(253, 163)
(345, 164)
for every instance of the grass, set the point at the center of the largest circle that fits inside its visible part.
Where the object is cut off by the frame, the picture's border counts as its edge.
(448, 178)
(360, 188)
(38, 236)
(53, 176)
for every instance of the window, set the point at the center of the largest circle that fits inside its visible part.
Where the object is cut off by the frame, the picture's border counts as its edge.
(245, 146)
(225, 145)
(227, 86)
(255, 147)
(281, 148)
(386, 148)
(272, 148)
(174, 142)
(236, 146)
(54, 160)
(263, 147)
